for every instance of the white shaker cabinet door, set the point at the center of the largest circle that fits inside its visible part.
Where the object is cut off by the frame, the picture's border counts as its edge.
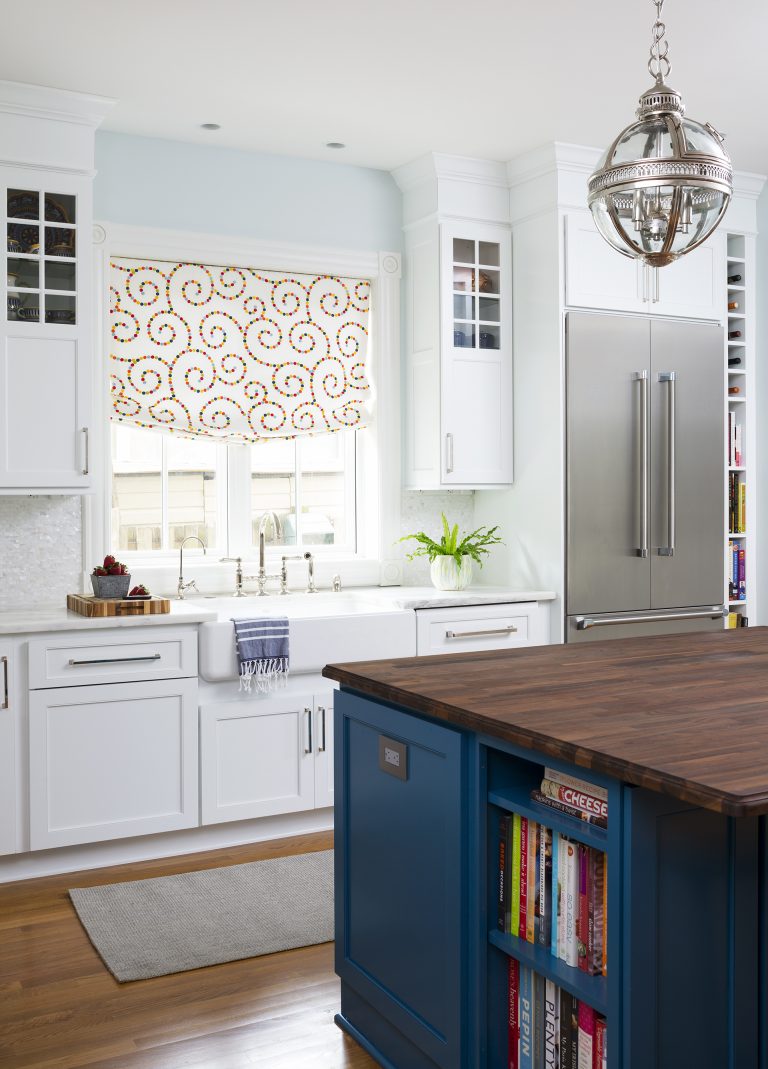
(44, 413)
(597, 276)
(107, 762)
(257, 757)
(10, 698)
(323, 745)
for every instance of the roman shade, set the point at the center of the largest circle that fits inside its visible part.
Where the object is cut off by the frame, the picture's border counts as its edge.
(236, 354)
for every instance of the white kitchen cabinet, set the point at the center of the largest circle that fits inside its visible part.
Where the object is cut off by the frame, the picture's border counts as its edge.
(470, 628)
(266, 756)
(111, 761)
(596, 276)
(46, 314)
(10, 726)
(458, 326)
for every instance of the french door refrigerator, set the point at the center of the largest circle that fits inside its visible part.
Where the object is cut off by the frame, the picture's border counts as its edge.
(645, 476)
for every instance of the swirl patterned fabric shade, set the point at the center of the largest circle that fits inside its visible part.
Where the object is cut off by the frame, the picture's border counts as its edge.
(236, 354)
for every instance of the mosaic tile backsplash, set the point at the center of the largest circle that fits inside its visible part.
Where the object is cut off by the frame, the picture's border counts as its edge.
(420, 511)
(40, 550)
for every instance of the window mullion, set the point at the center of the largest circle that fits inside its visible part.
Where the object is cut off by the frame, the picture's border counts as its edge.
(297, 492)
(165, 540)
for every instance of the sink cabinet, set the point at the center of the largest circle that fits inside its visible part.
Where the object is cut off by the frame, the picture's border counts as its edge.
(266, 755)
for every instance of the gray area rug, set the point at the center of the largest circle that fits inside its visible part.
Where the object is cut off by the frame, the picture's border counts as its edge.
(173, 923)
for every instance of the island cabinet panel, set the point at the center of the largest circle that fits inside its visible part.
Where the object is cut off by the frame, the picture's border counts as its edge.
(401, 876)
(691, 990)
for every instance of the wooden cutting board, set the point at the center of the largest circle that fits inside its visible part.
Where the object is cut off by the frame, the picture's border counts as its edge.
(89, 605)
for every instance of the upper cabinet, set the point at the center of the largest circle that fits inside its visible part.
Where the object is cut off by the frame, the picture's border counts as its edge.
(458, 325)
(596, 276)
(46, 331)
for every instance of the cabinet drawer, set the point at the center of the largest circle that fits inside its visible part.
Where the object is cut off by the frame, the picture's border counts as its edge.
(479, 627)
(119, 656)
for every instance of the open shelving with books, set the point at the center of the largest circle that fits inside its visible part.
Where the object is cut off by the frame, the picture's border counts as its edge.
(547, 934)
(740, 429)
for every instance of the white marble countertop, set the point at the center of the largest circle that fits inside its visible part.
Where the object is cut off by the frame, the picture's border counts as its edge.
(53, 618)
(194, 611)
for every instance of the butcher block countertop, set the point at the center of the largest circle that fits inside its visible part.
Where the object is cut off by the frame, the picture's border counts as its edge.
(686, 715)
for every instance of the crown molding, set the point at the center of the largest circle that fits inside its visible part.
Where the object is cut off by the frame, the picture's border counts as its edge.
(59, 105)
(439, 165)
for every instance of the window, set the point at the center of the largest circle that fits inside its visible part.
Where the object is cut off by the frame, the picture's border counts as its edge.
(300, 492)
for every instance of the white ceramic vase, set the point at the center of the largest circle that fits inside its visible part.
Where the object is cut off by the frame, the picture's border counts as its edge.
(446, 574)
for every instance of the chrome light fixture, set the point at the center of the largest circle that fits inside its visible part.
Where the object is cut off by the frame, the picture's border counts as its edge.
(663, 184)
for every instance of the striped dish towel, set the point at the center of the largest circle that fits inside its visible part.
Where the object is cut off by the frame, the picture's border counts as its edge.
(262, 650)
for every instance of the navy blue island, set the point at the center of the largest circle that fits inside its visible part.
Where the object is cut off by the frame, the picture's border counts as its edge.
(437, 756)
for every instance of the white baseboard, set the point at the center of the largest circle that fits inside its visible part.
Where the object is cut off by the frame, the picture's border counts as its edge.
(147, 847)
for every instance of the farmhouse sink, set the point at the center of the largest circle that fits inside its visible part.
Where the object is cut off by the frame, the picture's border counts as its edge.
(323, 627)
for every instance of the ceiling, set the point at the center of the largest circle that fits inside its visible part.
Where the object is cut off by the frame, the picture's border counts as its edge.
(393, 79)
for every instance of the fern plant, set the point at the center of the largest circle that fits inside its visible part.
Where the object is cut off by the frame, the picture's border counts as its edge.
(474, 545)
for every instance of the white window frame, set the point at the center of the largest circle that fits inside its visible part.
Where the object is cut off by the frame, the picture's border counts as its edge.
(378, 451)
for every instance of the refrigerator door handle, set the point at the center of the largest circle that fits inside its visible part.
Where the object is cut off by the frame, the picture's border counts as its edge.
(669, 377)
(642, 378)
(717, 612)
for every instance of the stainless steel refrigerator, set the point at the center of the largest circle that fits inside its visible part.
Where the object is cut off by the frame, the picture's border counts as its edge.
(645, 486)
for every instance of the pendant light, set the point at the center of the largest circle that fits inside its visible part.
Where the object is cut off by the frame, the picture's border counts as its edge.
(663, 184)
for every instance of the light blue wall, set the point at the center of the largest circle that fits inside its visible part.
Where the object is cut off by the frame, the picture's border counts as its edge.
(761, 384)
(150, 182)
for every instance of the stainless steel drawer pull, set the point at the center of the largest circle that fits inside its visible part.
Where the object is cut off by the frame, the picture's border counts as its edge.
(475, 634)
(118, 660)
(4, 662)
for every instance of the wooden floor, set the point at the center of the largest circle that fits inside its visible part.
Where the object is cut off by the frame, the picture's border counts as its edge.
(61, 1008)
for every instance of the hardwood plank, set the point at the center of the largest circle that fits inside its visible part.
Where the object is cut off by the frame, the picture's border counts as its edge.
(683, 714)
(60, 1008)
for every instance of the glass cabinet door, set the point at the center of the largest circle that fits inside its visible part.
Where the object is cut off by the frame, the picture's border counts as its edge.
(41, 257)
(476, 294)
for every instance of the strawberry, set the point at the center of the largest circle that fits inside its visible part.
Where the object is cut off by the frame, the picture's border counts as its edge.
(116, 569)
(124, 569)
(109, 560)
(135, 590)
(99, 571)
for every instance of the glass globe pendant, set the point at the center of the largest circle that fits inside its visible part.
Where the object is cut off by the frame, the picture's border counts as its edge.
(663, 184)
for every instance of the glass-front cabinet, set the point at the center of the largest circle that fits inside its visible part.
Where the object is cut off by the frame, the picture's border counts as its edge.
(45, 331)
(476, 354)
(41, 256)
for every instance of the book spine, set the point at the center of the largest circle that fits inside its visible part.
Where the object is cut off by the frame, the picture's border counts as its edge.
(551, 1015)
(604, 947)
(598, 919)
(578, 784)
(562, 898)
(600, 1044)
(571, 904)
(523, 918)
(742, 575)
(581, 800)
(533, 882)
(555, 896)
(513, 1023)
(591, 866)
(526, 1017)
(561, 807)
(502, 902)
(539, 1011)
(586, 1036)
(514, 908)
(582, 914)
(546, 863)
(566, 1027)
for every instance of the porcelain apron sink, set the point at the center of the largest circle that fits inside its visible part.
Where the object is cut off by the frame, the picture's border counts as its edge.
(323, 627)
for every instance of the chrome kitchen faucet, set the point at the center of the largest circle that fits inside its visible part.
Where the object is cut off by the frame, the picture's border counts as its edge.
(191, 585)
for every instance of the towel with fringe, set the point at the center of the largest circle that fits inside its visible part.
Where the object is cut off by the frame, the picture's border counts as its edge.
(262, 650)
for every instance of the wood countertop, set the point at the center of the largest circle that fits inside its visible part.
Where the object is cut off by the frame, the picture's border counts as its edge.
(686, 715)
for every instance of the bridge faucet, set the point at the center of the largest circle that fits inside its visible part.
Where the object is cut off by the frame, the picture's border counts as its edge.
(191, 585)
